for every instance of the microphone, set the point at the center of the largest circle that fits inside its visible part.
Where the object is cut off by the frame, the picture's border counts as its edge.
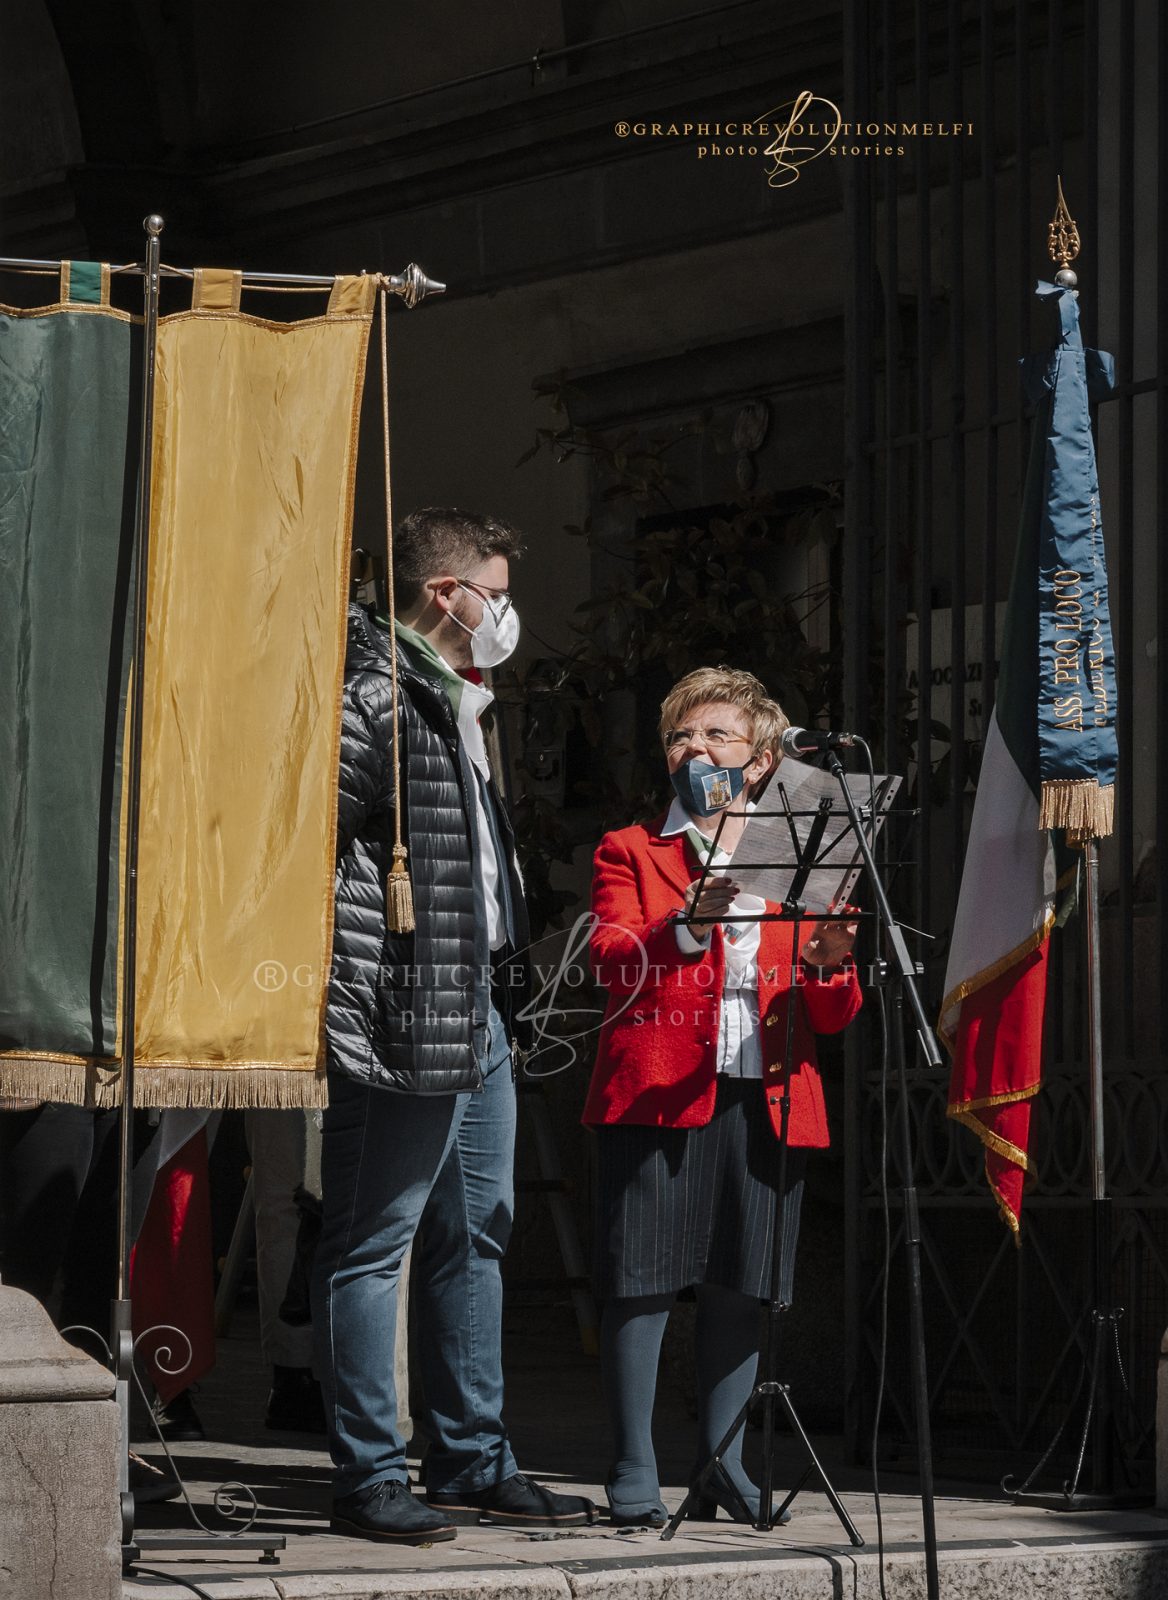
(807, 741)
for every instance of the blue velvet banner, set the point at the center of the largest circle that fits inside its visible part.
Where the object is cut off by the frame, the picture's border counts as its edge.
(1076, 666)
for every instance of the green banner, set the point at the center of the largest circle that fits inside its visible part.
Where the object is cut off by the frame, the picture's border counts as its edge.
(68, 461)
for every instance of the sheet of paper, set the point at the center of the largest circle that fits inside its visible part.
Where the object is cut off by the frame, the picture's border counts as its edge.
(804, 805)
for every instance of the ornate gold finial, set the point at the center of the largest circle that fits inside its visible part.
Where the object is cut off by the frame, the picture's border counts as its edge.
(1063, 240)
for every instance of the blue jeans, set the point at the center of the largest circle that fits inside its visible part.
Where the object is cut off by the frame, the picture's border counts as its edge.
(438, 1167)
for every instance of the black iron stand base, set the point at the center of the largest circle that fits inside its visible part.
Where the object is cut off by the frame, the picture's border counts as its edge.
(1082, 1501)
(1106, 1384)
(145, 1545)
(1099, 1428)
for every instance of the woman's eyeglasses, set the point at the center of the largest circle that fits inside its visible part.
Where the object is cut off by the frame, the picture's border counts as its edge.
(712, 738)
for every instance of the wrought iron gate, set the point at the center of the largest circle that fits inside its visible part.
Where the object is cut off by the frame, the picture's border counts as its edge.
(945, 244)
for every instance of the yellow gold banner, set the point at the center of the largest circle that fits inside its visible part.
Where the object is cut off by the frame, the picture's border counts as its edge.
(254, 454)
(216, 289)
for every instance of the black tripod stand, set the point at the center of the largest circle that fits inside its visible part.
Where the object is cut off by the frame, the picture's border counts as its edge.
(901, 970)
(769, 1390)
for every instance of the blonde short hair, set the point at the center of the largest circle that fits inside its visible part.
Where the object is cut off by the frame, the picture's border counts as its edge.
(768, 721)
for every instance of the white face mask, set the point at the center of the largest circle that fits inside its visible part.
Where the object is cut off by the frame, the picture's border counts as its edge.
(495, 637)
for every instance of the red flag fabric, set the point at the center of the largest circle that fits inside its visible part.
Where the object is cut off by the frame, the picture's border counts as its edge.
(171, 1281)
(997, 1067)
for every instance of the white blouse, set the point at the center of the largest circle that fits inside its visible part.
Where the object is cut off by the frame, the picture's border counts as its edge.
(739, 1045)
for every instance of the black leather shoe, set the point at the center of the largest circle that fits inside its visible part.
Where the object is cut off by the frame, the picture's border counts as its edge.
(388, 1511)
(294, 1404)
(178, 1421)
(515, 1503)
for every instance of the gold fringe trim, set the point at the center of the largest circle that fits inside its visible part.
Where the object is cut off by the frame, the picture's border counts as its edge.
(1078, 804)
(1006, 1211)
(230, 1089)
(1008, 1098)
(79, 1083)
(992, 1141)
(987, 975)
(38, 1078)
(1003, 1148)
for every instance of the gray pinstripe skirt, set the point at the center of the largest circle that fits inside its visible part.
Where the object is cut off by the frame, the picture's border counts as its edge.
(679, 1206)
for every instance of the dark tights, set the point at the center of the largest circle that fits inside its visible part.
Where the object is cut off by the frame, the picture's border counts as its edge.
(631, 1331)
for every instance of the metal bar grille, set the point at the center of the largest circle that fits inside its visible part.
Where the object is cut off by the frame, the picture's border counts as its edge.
(945, 248)
(1124, 567)
(1161, 479)
(923, 462)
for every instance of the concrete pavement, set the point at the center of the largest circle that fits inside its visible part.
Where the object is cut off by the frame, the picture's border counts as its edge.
(988, 1547)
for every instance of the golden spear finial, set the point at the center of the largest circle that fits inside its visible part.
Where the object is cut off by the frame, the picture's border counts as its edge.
(1063, 241)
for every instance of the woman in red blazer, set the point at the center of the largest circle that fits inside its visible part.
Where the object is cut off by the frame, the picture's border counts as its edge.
(686, 1094)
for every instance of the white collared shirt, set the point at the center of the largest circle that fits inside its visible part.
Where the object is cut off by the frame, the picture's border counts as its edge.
(473, 701)
(739, 1044)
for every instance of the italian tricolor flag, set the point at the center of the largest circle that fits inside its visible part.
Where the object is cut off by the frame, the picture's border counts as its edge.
(1048, 764)
(991, 1020)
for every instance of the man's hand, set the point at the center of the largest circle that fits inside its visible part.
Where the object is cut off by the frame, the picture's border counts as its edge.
(714, 902)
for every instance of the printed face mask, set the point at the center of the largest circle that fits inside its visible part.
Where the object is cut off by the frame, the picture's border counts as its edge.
(703, 789)
(495, 637)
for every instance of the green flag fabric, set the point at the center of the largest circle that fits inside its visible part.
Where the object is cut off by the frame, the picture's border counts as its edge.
(68, 448)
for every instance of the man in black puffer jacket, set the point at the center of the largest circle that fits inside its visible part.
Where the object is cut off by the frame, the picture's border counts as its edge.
(423, 1032)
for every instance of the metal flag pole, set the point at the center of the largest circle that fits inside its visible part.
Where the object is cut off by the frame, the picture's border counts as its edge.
(1102, 1361)
(1104, 1326)
(121, 1316)
(412, 285)
(121, 1331)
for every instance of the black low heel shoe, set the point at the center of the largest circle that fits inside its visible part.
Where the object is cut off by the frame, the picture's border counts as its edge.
(705, 1507)
(633, 1513)
(653, 1516)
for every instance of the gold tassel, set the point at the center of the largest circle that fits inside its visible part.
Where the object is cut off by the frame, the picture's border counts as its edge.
(1079, 805)
(399, 895)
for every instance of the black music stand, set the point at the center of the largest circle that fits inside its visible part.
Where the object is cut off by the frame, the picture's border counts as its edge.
(768, 1388)
(895, 968)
